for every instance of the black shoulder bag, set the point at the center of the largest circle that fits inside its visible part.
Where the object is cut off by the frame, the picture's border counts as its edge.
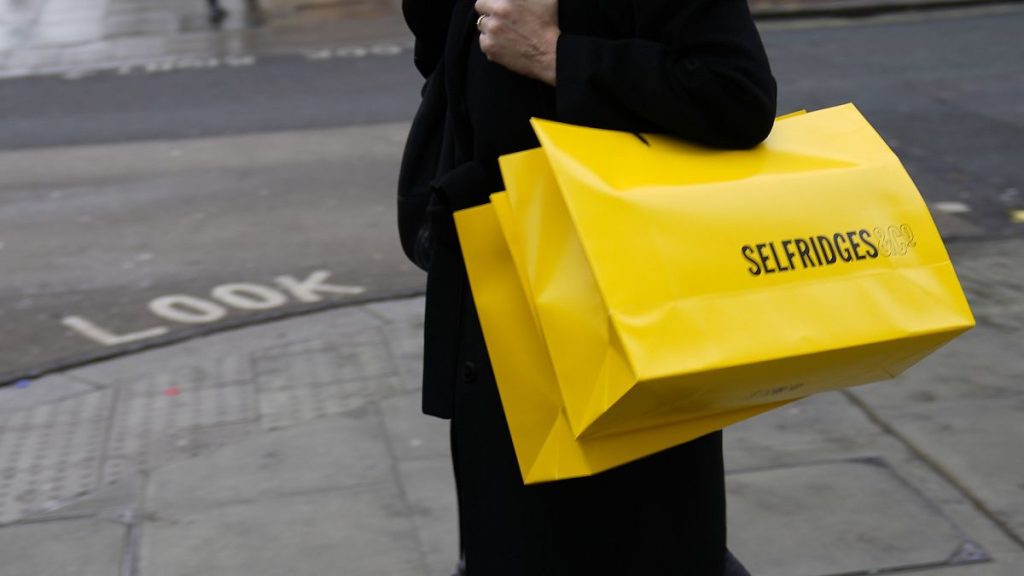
(420, 162)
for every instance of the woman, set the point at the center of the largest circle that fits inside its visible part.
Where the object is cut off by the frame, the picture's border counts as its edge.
(694, 69)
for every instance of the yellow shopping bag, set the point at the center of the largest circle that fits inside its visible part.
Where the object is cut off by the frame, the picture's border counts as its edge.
(638, 292)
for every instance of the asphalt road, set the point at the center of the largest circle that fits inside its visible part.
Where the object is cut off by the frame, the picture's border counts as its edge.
(273, 94)
(141, 207)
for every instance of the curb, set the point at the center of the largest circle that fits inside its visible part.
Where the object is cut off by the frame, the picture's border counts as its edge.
(797, 9)
(184, 335)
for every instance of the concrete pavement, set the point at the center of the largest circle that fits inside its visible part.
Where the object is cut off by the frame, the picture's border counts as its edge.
(297, 448)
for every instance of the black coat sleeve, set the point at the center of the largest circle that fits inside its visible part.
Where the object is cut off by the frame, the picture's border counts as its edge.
(694, 69)
(428, 21)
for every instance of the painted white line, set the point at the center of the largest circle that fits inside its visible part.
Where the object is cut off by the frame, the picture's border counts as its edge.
(107, 338)
(308, 290)
(178, 63)
(187, 309)
(246, 296)
(160, 66)
(952, 207)
(381, 49)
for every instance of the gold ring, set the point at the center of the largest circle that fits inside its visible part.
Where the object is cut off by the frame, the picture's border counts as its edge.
(480, 21)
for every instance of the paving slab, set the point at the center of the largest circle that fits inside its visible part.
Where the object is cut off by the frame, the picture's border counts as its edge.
(992, 278)
(403, 328)
(288, 407)
(117, 500)
(414, 436)
(170, 415)
(362, 531)
(429, 486)
(86, 547)
(330, 454)
(963, 407)
(1002, 565)
(319, 378)
(822, 427)
(852, 517)
(323, 361)
(962, 370)
(128, 456)
(832, 426)
(977, 442)
(48, 389)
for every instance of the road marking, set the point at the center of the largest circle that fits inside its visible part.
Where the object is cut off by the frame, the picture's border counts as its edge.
(381, 49)
(187, 63)
(107, 338)
(245, 296)
(224, 298)
(160, 66)
(187, 309)
(952, 207)
(1017, 216)
(308, 290)
(165, 65)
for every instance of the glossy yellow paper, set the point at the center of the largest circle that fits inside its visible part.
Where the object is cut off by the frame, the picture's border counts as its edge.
(638, 293)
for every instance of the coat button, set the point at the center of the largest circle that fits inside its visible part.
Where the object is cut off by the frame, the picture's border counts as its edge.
(469, 372)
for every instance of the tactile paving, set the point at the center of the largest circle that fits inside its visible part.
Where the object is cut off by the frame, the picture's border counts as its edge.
(318, 378)
(164, 409)
(51, 453)
(321, 362)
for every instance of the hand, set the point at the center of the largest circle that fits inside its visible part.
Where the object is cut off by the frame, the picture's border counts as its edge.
(521, 35)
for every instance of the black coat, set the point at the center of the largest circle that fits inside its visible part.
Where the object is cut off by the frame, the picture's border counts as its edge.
(695, 69)
(691, 68)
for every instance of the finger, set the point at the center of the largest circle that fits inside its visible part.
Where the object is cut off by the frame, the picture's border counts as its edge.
(487, 46)
(485, 24)
(484, 6)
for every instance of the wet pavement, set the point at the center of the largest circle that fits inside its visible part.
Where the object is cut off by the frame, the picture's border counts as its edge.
(80, 36)
(60, 36)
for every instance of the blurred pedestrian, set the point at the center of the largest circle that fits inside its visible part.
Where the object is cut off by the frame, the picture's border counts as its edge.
(694, 69)
(216, 14)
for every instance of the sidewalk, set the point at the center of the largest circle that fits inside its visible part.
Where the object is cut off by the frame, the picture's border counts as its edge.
(80, 36)
(297, 447)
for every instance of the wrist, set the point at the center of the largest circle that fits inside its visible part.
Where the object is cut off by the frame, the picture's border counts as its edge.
(549, 66)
